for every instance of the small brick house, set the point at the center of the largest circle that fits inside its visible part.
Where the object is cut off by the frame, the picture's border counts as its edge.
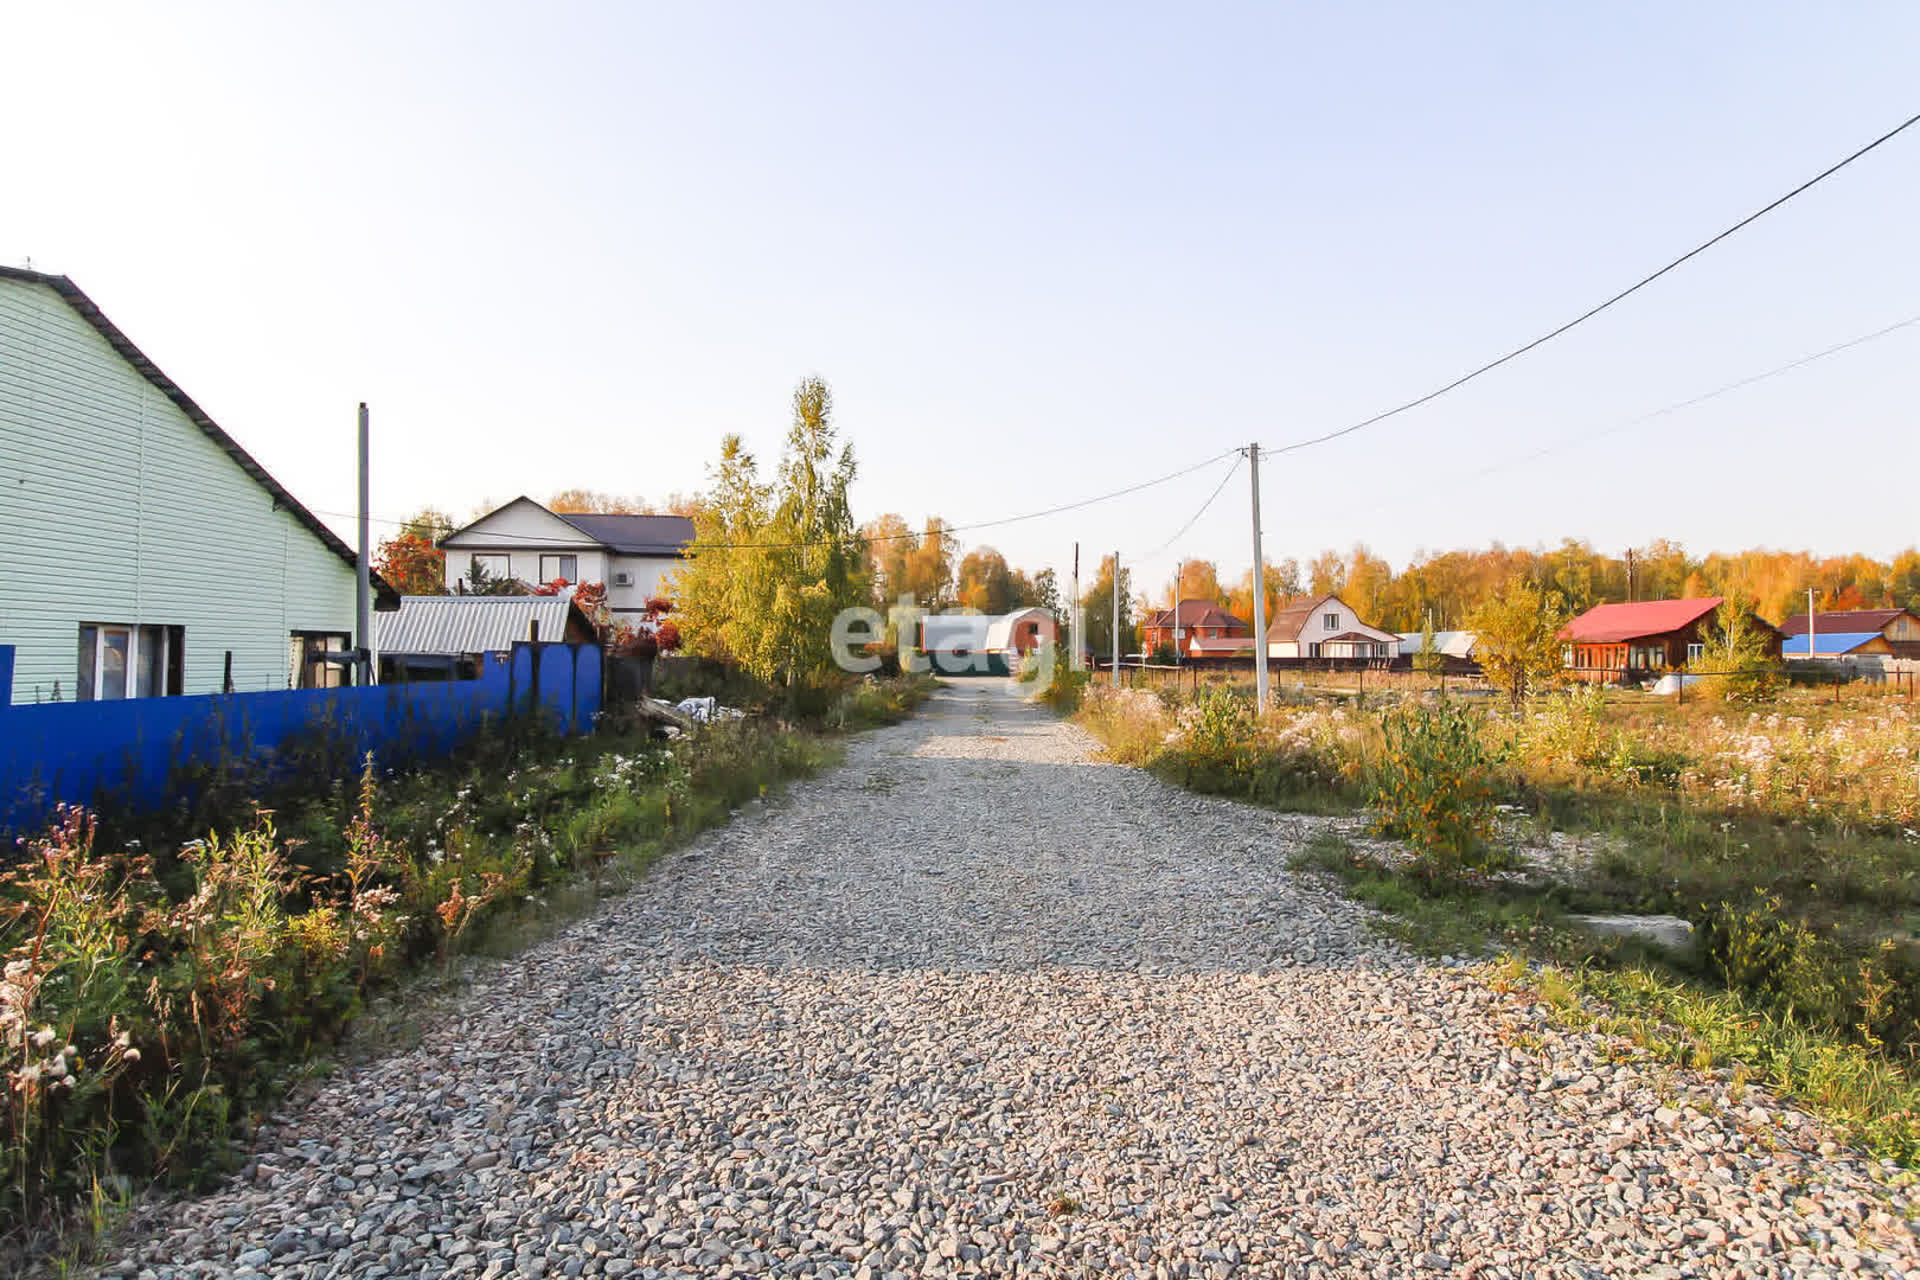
(1197, 620)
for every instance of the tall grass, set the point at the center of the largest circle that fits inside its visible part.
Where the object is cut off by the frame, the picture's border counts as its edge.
(1786, 836)
(151, 1003)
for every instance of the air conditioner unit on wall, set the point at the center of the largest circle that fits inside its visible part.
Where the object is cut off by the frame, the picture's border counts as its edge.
(622, 578)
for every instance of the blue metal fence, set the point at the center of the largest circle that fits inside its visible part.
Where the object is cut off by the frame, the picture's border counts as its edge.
(73, 752)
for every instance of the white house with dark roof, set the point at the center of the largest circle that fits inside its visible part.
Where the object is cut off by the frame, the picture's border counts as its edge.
(143, 552)
(1326, 627)
(633, 555)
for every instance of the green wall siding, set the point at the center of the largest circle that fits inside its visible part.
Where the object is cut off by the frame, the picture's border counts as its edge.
(114, 507)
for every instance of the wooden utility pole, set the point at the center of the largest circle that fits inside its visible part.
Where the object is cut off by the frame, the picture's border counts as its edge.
(1116, 619)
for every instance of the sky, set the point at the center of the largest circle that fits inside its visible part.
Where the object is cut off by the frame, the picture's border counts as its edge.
(1040, 252)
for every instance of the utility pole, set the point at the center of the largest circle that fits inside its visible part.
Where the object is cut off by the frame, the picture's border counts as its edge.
(1259, 590)
(1629, 575)
(1116, 619)
(1813, 625)
(1175, 616)
(1079, 634)
(363, 569)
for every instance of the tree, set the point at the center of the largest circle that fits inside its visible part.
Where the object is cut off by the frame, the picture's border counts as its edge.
(1328, 573)
(1517, 639)
(593, 502)
(986, 584)
(430, 523)
(888, 543)
(1736, 662)
(771, 566)
(929, 577)
(412, 565)
(1045, 593)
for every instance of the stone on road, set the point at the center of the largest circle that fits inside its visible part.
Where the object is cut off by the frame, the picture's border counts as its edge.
(977, 1004)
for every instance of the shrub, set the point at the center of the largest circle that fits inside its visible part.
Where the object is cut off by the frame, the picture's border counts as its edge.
(1433, 786)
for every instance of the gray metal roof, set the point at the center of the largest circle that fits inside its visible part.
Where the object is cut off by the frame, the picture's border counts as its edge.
(470, 624)
(634, 535)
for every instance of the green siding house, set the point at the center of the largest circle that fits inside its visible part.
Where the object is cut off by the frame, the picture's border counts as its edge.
(142, 551)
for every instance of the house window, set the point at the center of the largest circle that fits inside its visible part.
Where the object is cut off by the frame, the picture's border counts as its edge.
(310, 670)
(494, 567)
(1331, 620)
(567, 567)
(1695, 652)
(122, 660)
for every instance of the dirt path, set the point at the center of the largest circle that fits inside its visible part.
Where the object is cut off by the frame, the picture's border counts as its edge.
(975, 1004)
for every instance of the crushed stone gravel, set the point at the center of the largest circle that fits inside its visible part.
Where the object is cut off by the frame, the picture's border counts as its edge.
(977, 1004)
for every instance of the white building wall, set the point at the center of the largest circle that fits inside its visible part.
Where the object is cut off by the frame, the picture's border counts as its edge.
(116, 508)
(652, 576)
(523, 532)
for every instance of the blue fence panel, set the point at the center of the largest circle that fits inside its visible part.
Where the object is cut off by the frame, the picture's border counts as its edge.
(72, 752)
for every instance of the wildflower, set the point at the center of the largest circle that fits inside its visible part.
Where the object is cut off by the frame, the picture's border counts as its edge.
(43, 1037)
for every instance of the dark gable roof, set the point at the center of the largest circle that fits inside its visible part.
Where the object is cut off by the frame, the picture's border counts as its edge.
(80, 302)
(1290, 619)
(635, 535)
(1196, 612)
(1844, 621)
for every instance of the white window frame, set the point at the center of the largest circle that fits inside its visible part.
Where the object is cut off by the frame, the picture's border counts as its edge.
(130, 683)
(561, 557)
(506, 564)
(1330, 621)
(1695, 652)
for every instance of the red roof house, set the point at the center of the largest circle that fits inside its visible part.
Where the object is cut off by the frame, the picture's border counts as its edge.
(1199, 620)
(1612, 642)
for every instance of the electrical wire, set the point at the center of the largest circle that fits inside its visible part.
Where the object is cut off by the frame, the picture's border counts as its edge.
(1588, 437)
(1239, 456)
(1591, 312)
(536, 539)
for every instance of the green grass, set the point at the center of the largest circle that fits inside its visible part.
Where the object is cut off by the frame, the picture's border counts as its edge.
(1672, 1009)
(188, 1029)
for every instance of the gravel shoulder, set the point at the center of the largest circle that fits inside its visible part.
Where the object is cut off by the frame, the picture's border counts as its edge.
(977, 1004)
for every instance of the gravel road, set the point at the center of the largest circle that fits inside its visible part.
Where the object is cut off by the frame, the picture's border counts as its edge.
(976, 1004)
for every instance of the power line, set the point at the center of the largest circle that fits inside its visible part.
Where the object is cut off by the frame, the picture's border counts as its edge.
(1589, 314)
(537, 539)
(1587, 437)
(1151, 556)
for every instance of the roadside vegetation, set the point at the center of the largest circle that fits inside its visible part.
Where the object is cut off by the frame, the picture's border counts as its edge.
(168, 975)
(1780, 826)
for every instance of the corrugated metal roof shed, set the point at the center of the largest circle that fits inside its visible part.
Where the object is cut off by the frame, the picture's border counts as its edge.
(1454, 644)
(952, 631)
(1828, 644)
(471, 624)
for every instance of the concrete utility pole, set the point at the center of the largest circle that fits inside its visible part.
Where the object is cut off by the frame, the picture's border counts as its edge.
(363, 569)
(1078, 623)
(1813, 625)
(1175, 628)
(1116, 619)
(1259, 590)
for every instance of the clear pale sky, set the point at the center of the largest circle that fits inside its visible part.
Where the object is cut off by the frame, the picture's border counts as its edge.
(1040, 251)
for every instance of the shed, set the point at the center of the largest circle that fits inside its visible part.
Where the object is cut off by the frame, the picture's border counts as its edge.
(1838, 644)
(1450, 644)
(447, 633)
